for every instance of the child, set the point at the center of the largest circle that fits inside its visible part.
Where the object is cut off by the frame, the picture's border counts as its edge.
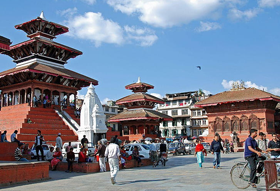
(70, 159)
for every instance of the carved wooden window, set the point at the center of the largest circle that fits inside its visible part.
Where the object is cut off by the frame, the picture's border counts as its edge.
(235, 126)
(244, 126)
(254, 124)
(227, 126)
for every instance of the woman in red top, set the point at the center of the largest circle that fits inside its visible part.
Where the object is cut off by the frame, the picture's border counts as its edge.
(82, 156)
(199, 153)
(57, 157)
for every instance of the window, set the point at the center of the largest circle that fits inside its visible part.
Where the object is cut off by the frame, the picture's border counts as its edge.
(198, 122)
(185, 111)
(198, 113)
(168, 103)
(184, 122)
(204, 122)
(114, 127)
(270, 125)
(174, 122)
(165, 112)
(107, 109)
(165, 124)
(203, 112)
(194, 113)
(174, 112)
(113, 110)
(199, 132)
(174, 102)
(194, 132)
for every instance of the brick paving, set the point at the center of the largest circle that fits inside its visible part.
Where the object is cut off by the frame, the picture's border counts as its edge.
(180, 173)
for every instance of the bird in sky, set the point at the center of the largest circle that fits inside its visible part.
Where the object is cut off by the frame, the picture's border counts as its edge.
(199, 67)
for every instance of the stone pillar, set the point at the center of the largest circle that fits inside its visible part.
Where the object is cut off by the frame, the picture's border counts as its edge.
(75, 97)
(2, 99)
(25, 96)
(19, 98)
(51, 99)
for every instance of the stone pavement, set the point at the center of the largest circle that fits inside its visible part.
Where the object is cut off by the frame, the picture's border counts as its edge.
(180, 173)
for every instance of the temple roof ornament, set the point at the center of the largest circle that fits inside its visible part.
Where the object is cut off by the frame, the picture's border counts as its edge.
(238, 86)
(42, 16)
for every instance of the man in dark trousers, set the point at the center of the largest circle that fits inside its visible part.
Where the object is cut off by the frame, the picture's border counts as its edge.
(252, 153)
(274, 148)
(84, 139)
(38, 144)
(216, 148)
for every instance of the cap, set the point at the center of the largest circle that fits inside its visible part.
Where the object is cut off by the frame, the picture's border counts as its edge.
(59, 133)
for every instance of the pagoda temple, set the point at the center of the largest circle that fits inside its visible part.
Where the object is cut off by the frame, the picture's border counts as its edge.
(239, 110)
(139, 118)
(39, 73)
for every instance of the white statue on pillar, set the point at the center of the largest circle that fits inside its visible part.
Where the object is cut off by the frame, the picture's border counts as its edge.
(92, 118)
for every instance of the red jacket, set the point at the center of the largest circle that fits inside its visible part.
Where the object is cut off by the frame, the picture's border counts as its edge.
(82, 157)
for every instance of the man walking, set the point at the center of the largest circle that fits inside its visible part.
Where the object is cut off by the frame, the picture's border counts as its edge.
(274, 148)
(113, 153)
(101, 153)
(38, 144)
(216, 148)
(58, 141)
(153, 151)
(251, 154)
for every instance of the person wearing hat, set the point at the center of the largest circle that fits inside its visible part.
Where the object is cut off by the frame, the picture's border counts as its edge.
(18, 153)
(58, 141)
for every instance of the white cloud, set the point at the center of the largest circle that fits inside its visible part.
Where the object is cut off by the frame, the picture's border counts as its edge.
(157, 95)
(90, 2)
(104, 101)
(236, 14)
(144, 36)
(94, 27)
(206, 92)
(207, 26)
(275, 91)
(248, 84)
(80, 96)
(269, 3)
(168, 13)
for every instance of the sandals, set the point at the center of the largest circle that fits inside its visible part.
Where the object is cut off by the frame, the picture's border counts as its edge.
(253, 185)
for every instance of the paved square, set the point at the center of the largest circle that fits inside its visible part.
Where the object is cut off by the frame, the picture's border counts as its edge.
(180, 173)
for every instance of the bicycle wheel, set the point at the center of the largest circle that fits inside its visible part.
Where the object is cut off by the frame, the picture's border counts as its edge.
(240, 180)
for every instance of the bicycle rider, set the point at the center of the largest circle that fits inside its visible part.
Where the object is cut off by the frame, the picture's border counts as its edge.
(252, 154)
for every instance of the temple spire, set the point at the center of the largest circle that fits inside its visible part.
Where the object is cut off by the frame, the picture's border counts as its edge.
(42, 16)
(139, 80)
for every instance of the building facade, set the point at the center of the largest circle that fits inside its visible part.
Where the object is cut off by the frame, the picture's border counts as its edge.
(111, 109)
(239, 110)
(188, 120)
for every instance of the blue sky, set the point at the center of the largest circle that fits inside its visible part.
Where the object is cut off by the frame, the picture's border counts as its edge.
(162, 41)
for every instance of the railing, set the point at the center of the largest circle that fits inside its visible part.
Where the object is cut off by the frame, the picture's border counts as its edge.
(68, 120)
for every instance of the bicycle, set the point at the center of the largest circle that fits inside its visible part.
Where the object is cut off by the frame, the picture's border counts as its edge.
(162, 159)
(240, 175)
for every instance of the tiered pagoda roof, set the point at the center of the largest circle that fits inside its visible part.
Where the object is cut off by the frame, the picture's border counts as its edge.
(40, 58)
(246, 94)
(140, 105)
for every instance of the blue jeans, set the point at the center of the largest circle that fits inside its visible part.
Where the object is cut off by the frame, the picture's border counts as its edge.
(23, 159)
(217, 159)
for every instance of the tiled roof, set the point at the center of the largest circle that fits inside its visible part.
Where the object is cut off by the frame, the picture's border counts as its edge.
(139, 84)
(139, 114)
(50, 70)
(248, 94)
(139, 97)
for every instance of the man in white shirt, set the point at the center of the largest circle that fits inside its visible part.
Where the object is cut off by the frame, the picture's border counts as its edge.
(13, 137)
(58, 141)
(39, 139)
(49, 155)
(112, 152)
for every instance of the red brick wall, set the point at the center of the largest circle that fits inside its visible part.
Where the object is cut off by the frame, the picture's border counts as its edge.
(20, 172)
(7, 151)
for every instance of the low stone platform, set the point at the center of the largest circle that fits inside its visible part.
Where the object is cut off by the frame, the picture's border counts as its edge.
(94, 167)
(15, 172)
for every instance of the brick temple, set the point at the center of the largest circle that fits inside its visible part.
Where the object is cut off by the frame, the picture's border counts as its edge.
(39, 72)
(139, 118)
(240, 110)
